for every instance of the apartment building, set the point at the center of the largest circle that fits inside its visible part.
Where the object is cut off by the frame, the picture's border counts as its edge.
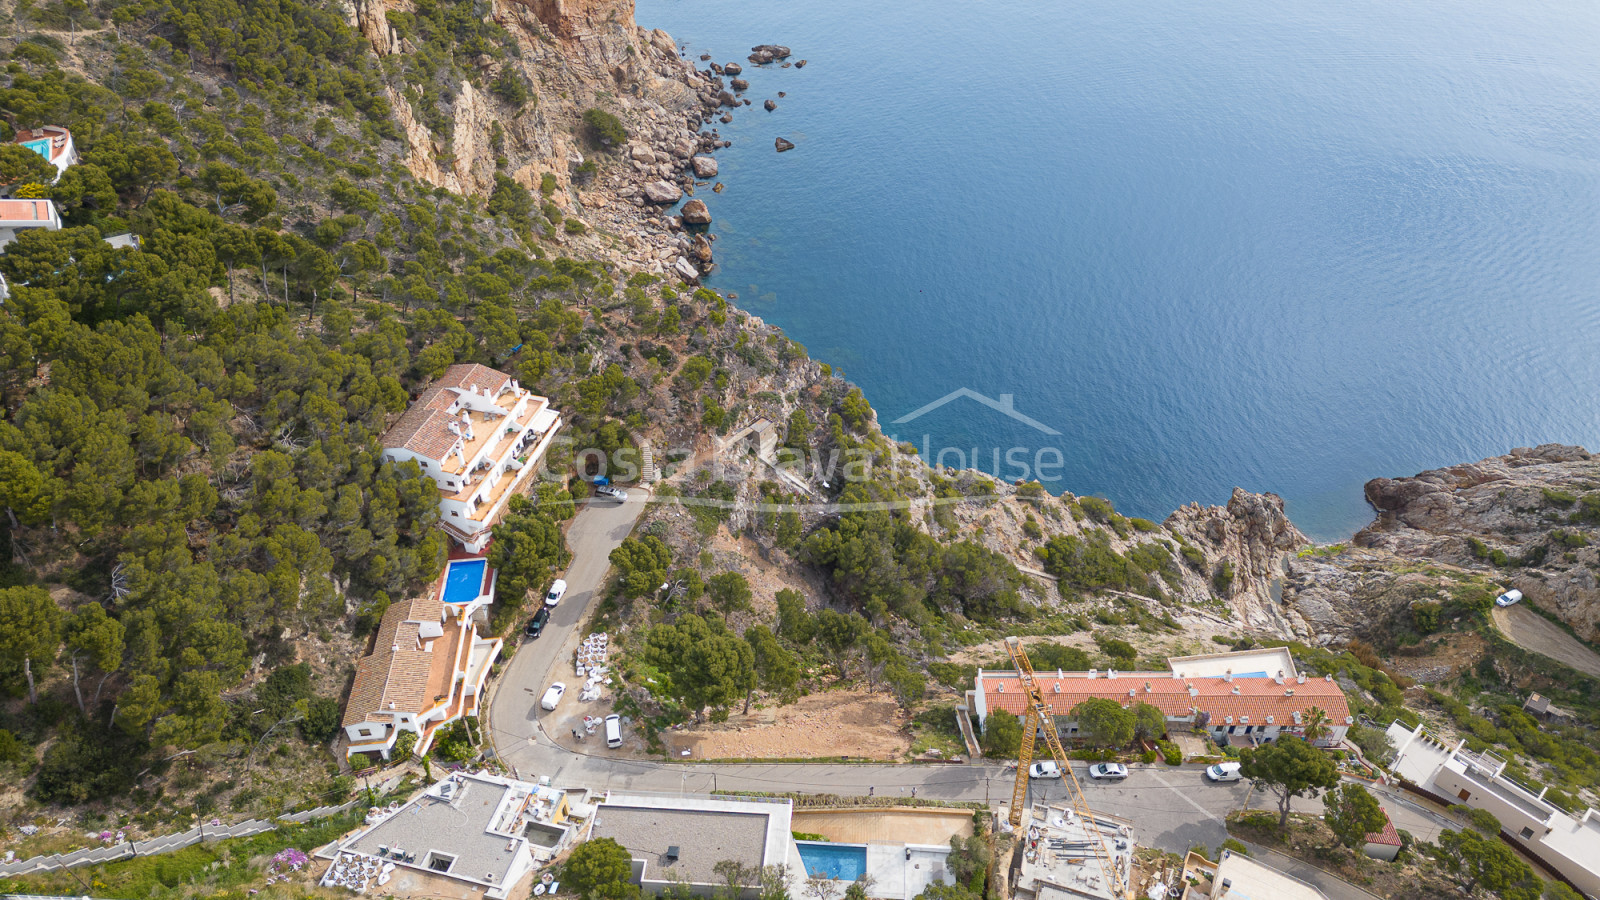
(480, 436)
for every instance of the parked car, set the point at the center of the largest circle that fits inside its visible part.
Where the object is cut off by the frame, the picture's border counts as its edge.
(1509, 598)
(616, 493)
(613, 731)
(1108, 771)
(1044, 770)
(1222, 772)
(558, 589)
(535, 626)
(553, 695)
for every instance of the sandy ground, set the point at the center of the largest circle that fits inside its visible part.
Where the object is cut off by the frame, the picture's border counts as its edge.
(1531, 631)
(910, 826)
(835, 723)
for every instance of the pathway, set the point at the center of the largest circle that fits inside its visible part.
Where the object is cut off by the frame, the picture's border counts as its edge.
(1531, 631)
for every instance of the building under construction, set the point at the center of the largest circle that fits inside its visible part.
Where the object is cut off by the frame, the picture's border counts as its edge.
(1064, 854)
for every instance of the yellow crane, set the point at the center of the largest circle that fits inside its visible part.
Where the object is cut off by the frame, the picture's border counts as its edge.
(1039, 715)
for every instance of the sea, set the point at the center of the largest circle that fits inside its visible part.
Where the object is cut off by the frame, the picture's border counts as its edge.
(1154, 250)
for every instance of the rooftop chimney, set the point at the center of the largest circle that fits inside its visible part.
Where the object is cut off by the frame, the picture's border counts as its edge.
(1228, 675)
(1300, 680)
(1194, 691)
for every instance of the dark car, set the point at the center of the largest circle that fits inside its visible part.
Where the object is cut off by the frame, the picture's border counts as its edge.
(536, 624)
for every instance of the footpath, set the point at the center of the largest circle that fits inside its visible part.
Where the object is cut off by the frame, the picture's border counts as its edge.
(166, 843)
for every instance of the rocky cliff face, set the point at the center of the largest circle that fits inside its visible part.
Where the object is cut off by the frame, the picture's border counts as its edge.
(1530, 518)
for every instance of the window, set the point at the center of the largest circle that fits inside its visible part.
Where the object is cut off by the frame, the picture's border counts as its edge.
(1465, 794)
(439, 862)
(1527, 832)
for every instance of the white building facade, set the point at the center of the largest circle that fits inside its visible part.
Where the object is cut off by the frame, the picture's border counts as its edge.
(480, 436)
(1567, 843)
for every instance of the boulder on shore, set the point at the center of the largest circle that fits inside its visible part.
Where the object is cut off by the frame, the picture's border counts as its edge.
(704, 166)
(726, 118)
(780, 143)
(662, 192)
(761, 58)
(686, 270)
(739, 84)
(800, 65)
(732, 69)
(695, 213)
(727, 99)
(770, 105)
(702, 251)
(776, 51)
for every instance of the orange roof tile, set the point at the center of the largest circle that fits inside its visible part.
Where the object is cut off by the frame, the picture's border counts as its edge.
(1388, 835)
(397, 670)
(1257, 698)
(424, 428)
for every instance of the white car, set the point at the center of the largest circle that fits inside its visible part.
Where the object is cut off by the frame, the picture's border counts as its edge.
(1509, 598)
(1108, 771)
(1222, 772)
(552, 695)
(1044, 770)
(606, 490)
(558, 589)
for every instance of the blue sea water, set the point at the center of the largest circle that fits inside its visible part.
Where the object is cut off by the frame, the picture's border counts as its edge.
(1285, 246)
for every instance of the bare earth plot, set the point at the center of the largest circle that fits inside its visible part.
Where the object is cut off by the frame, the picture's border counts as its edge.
(1531, 631)
(834, 723)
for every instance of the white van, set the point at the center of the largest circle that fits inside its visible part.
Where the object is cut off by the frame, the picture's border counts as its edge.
(1046, 769)
(613, 731)
(1228, 771)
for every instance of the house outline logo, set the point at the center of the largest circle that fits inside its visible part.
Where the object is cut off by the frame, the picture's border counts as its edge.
(1004, 405)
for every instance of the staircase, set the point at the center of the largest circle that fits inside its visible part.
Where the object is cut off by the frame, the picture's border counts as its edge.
(647, 463)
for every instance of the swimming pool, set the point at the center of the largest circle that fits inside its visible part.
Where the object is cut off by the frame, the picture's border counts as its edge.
(841, 862)
(463, 580)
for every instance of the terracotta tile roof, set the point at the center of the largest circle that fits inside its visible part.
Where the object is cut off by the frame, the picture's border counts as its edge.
(1388, 835)
(396, 671)
(468, 374)
(58, 136)
(26, 210)
(1256, 698)
(424, 428)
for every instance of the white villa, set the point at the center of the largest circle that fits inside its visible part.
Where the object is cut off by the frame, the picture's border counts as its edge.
(52, 142)
(480, 436)
(21, 215)
(1567, 843)
(427, 669)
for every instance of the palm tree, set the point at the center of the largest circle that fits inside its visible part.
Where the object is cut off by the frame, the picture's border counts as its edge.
(1316, 724)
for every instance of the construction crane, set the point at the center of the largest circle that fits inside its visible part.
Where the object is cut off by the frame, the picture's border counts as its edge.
(1039, 715)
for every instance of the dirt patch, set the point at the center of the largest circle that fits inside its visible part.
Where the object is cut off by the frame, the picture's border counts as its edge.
(1531, 631)
(835, 723)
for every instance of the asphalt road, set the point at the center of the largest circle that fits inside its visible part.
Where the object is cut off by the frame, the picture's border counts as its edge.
(514, 710)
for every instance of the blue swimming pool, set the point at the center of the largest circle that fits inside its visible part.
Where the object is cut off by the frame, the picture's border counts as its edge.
(463, 580)
(841, 862)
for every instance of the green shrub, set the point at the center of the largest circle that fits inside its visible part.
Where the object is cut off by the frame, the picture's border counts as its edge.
(1233, 845)
(573, 226)
(1170, 753)
(1554, 497)
(1222, 578)
(605, 128)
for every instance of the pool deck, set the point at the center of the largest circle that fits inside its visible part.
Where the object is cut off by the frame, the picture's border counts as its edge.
(900, 871)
